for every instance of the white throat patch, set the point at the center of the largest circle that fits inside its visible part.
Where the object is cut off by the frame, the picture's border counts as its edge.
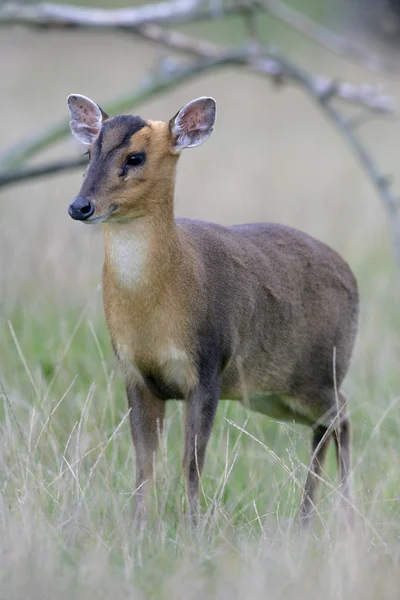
(128, 249)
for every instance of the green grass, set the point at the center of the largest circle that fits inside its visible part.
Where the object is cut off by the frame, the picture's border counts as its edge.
(66, 457)
(67, 478)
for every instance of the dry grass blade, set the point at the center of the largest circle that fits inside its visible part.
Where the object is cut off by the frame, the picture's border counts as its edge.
(10, 408)
(54, 409)
(269, 451)
(23, 359)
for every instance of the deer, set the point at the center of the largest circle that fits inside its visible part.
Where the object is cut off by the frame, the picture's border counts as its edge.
(260, 313)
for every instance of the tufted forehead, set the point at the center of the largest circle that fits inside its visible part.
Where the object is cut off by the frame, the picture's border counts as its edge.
(117, 133)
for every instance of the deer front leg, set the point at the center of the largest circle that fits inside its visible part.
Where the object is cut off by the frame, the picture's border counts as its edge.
(200, 412)
(146, 419)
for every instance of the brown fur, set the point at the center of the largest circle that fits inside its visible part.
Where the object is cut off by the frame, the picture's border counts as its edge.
(200, 312)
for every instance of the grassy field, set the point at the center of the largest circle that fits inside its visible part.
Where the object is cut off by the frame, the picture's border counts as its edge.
(66, 458)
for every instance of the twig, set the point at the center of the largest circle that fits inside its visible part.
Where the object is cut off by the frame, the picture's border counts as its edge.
(65, 15)
(142, 20)
(211, 57)
(19, 175)
(181, 11)
(381, 182)
(177, 41)
(16, 155)
(368, 96)
(250, 19)
(151, 86)
(47, 15)
(325, 37)
(371, 97)
(321, 89)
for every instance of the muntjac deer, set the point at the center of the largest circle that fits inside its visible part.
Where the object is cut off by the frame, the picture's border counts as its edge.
(260, 313)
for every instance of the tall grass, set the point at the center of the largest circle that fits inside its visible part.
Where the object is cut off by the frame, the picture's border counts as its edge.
(66, 458)
(67, 479)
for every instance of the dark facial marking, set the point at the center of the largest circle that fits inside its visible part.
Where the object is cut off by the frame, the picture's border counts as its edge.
(117, 133)
(114, 135)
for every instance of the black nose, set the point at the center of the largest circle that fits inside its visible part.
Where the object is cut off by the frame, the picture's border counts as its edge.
(80, 209)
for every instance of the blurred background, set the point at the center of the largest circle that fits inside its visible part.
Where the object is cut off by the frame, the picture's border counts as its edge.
(273, 156)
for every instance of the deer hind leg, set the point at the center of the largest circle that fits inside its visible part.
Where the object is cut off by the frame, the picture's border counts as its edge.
(146, 420)
(342, 436)
(320, 443)
(339, 429)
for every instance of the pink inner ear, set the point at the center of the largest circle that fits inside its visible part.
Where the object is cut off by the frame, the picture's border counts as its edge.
(89, 128)
(88, 116)
(85, 112)
(193, 117)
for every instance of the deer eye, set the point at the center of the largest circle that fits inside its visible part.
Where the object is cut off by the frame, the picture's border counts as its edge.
(134, 160)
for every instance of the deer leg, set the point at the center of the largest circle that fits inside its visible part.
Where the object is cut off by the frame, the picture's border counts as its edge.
(340, 431)
(146, 420)
(320, 444)
(200, 412)
(342, 437)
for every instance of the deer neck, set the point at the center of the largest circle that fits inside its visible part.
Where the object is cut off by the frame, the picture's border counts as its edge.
(142, 254)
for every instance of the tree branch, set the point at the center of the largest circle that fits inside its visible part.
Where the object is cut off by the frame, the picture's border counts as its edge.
(369, 96)
(65, 15)
(152, 85)
(48, 15)
(211, 57)
(20, 175)
(182, 11)
(381, 182)
(142, 21)
(325, 37)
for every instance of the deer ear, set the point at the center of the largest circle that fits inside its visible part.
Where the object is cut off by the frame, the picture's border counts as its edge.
(193, 124)
(86, 118)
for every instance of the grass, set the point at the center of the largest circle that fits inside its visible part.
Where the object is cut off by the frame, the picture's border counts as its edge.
(67, 478)
(66, 457)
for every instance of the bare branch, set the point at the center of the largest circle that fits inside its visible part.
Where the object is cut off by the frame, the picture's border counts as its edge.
(47, 14)
(211, 57)
(369, 96)
(177, 41)
(17, 176)
(381, 182)
(152, 86)
(180, 11)
(143, 21)
(250, 19)
(325, 37)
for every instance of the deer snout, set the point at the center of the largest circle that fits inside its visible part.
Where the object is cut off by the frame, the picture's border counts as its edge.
(80, 209)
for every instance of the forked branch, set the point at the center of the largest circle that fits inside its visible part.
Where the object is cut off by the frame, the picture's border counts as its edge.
(154, 84)
(182, 11)
(65, 15)
(52, 168)
(209, 56)
(325, 37)
(146, 22)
